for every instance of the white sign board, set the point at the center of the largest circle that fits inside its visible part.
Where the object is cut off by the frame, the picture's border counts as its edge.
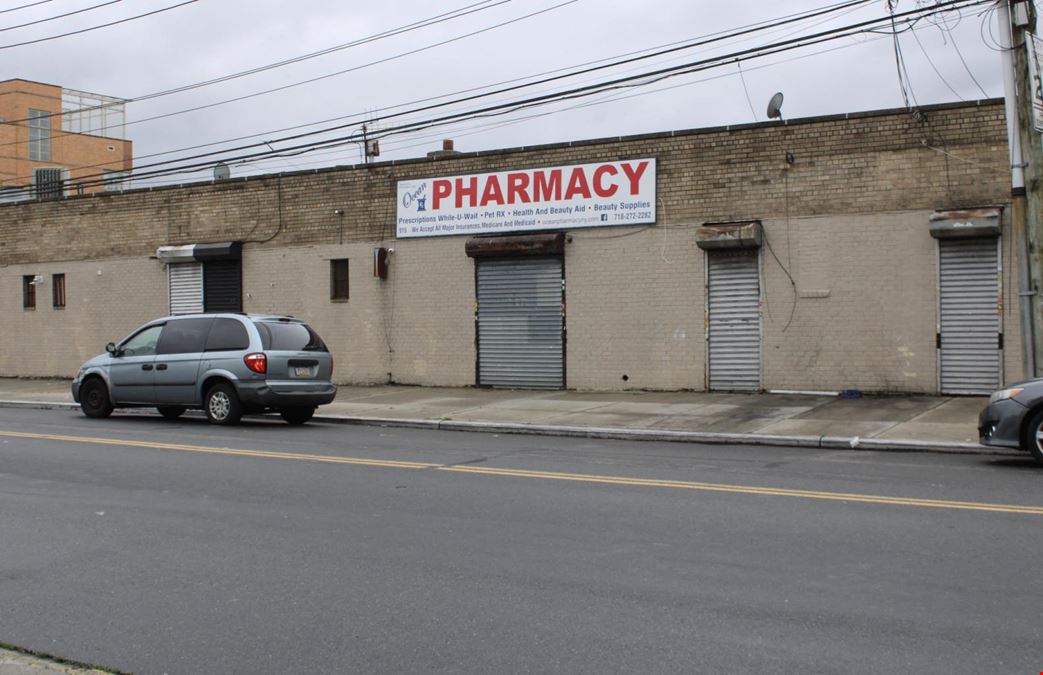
(1035, 56)
(553, 198)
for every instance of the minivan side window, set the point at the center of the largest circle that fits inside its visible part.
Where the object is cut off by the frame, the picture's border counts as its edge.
(184, 336)
(227, 335)
(142, 344)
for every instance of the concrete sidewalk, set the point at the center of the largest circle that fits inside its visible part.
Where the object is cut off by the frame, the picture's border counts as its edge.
(871, 422)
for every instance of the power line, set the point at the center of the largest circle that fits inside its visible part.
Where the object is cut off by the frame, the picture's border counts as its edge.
(642, 79)
(60, 16)
(466, 99)
(423, 23)
(935, 68)
(665, 49)
(627, 82)
(301, 82)
(631, 57)
(104, 25)
(952, 38)
(490, 126)
(31, 4)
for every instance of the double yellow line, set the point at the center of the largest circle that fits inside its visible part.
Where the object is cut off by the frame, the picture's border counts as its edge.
(548, 475)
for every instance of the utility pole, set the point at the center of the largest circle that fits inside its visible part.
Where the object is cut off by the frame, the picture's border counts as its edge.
(1017, 25)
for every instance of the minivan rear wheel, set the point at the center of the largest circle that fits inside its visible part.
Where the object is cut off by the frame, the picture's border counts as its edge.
(222, 405)
(94, 398)
(171, 412)
(297, 415)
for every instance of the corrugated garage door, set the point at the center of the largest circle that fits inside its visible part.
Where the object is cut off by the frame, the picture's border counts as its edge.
(186, 287)
(222, 286)
(734, 321)
(969, 315)
(520, 336)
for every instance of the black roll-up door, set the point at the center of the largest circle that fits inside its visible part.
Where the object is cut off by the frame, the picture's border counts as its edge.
(222, 286)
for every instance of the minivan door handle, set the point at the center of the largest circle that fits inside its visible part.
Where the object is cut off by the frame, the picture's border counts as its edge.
(161, 366)
(146, 366)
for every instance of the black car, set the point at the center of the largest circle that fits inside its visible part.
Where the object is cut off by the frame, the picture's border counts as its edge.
(1014, 418)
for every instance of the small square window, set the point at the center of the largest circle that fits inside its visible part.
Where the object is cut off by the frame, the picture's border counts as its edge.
(339, 279)
(29, 291)
(58, 290)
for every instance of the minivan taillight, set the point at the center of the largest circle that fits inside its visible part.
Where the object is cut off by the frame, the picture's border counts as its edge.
(256, 362)
(331, 365)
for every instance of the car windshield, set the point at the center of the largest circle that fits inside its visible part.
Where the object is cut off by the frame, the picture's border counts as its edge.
(289, 337)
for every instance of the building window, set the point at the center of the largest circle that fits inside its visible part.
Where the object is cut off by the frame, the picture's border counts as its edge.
(114, 180)
(58, 290)
(29, 291)
(39, 135)
(49, 183)
(339, 279)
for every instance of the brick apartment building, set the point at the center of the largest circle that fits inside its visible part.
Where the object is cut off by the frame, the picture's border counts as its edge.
(56, 141)
(868, 251)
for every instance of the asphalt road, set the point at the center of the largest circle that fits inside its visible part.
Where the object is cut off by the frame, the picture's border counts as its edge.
(176, 547)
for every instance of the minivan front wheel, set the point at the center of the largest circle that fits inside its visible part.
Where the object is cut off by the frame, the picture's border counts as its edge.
(297, 415)
(94, 398)
(222, 405)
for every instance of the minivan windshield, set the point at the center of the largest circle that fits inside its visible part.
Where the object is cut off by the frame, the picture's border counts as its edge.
(289, 337)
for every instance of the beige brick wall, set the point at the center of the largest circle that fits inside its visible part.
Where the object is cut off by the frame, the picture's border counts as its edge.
(848, 219)
(415, 327)
(634, 307)
(865, 309)
(105, 300)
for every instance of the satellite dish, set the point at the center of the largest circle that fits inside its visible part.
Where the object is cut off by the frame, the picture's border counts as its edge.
(221, 171)
(775, 107)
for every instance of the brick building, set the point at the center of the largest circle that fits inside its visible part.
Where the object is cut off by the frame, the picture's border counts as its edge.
(867, 251)
(56, 141)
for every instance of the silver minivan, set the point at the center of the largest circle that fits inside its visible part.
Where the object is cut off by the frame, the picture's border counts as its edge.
(227, 364)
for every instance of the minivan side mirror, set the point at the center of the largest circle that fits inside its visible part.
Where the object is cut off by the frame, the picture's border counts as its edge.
(111, 349)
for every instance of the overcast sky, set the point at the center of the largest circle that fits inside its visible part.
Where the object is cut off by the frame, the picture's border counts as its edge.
(211, 38)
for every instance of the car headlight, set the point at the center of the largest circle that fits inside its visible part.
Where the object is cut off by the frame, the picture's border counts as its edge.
(1004, 394)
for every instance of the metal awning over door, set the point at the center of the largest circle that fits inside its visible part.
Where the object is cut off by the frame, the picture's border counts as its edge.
(519, 322)
(733, 305)
(968, 316)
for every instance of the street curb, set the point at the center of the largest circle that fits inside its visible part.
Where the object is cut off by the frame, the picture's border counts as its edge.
(614, 433)
(710, 438)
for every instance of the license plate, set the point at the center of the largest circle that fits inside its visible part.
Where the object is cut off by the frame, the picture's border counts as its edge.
(302, 372)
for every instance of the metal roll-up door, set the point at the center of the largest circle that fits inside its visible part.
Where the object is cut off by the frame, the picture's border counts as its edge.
(222, 286)
(520, 324)
(734, 321)
(185, 281)
(968, 315)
